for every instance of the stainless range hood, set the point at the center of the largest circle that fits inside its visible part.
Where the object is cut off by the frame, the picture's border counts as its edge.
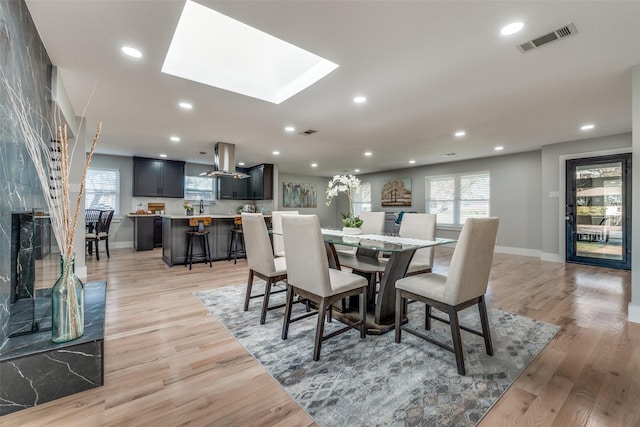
(225, 161)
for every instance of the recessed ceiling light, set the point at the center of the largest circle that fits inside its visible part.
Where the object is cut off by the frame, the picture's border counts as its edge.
(175, 139)
(290, 129)
(186, 105)
(163, 155)
(356, 170)
(499, 148)
(412, 162)
(512, 28)
(368, 153)
(240, 163)
(460, 133)
(314, 165)
(359, 99)
(587, 126)
(276, 153)
(214, 49)
(132, 52)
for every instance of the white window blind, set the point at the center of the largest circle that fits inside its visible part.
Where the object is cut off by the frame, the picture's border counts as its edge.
(198, 188)
(454, 198)
(362, 199)
(102, 190)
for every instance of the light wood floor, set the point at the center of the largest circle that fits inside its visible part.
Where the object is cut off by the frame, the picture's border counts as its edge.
(168, 363)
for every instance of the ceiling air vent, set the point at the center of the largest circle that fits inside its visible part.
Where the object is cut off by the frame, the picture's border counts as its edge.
(308, 132)
(557, 34)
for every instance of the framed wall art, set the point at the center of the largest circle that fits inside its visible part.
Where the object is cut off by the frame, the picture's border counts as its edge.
(396, 192)
(299, 195)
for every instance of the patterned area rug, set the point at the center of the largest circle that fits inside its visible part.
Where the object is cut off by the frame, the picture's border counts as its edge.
(376, 381)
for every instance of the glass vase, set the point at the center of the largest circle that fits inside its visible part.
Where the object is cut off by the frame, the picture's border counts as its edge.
(67, 304)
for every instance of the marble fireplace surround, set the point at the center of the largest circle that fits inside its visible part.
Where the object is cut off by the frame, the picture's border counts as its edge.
(34, 370)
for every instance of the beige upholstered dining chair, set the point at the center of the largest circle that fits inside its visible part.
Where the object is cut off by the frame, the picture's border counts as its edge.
(309, 276)
(372, 223)
(261, 261)
(276, 225)
(464, 286)
(419, 226)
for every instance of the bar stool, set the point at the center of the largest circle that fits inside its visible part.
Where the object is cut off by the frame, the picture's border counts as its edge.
(198, 230)
(236, 235)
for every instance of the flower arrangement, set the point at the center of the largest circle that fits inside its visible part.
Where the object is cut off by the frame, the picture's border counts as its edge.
(187, 205)
(350, 185)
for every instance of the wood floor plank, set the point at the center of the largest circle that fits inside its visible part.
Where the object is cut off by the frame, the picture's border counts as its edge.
(169, 362)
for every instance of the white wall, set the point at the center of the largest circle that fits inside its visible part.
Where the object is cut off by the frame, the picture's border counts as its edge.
(328, 215)
(515, 194)
(634, 305)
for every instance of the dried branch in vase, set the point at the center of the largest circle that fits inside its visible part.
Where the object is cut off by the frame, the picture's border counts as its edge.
(52, 161)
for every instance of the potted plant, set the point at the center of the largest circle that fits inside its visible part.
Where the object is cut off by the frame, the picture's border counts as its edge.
(350, 185)
(188, 206)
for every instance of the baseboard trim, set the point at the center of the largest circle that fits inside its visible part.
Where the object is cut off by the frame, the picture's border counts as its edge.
(517, 251)
(544, 256)
(121, 245)
(634, 313)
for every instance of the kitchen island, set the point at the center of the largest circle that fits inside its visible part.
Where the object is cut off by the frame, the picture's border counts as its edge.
(143, 229)
(174, 236)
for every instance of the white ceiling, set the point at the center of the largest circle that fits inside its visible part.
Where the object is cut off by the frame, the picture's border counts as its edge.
(428, 68)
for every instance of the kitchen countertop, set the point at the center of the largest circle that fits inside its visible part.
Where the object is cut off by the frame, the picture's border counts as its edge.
(212, 216)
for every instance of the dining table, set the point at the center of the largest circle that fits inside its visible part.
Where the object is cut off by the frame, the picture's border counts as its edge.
(400, 251)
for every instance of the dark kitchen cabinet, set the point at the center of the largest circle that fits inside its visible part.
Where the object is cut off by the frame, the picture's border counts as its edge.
(231, 188)
(261, 182)
(258, 186)
(157, 178)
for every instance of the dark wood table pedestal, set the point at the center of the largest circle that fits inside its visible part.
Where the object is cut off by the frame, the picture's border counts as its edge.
(380, 307)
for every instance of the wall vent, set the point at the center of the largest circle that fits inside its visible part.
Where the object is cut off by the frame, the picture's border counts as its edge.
(308, 132)
(557, 34)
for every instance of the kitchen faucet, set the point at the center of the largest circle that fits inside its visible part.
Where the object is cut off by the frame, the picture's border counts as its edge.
(201, 206)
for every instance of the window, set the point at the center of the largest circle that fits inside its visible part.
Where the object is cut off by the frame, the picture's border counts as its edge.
(102, 190)
(362, 199)
(198, 188)
(454, 198)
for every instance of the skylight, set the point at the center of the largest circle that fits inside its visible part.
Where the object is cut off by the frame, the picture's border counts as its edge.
(211, 48)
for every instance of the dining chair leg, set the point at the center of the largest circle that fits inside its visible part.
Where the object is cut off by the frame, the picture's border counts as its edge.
(265, 301)
(330, 313)
(484, 320)
(400, 305)
(97, 251)
(427, 317)
(247, 297)
(322, 308)
(457, 341)
(287, 312)
(106, 245)
(363, 315)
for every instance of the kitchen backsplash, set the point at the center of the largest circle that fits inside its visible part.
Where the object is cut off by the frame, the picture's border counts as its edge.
(174, 206)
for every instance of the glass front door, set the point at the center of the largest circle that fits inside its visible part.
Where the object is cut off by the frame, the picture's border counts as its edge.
(598, 210)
